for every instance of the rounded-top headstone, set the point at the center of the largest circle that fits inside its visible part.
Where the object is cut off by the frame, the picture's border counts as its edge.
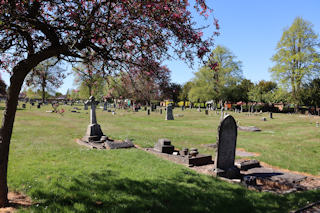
(226, 143)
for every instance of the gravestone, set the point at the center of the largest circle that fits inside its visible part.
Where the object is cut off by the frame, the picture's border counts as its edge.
(39, 106)
(271, 115)
(148, 111)
(164, 146)
(169, 114)
(105, 106)
(23, 106)
(94, 131)
(85, 106)
(206, 112)
(226, 149)
(161, 111)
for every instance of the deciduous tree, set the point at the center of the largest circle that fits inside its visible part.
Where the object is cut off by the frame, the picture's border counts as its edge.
(212, 80)
(117, 32)
(296, 60)
(47, 76)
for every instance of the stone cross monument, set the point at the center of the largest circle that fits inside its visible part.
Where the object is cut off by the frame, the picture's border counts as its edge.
(94, 131)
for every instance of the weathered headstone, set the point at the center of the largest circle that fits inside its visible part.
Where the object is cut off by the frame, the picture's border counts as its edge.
(169, 114)
(164, 146)
(94, 131)
(226, 149)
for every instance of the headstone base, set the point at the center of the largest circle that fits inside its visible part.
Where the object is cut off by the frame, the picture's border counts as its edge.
(93, 133)
(231, 173)
(106, 144)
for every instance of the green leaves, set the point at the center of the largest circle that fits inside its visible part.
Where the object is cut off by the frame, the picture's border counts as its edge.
(296, 60)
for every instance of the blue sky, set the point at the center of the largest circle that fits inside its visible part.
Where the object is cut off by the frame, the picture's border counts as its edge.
(250, 29)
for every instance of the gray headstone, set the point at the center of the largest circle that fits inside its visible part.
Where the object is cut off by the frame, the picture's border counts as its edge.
(105, 106)
(226, 147)
(85, 106)
(94, 131)
(169, 114)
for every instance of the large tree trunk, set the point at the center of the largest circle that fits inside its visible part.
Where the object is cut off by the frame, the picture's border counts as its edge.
(20, 71)
(16, 82)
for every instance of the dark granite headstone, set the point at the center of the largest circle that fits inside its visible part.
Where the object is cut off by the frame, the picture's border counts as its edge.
(271, 115)
(164, 146)
(169, 114)
(148, 112)
(226, 148)
(39, 106)
(23, 106)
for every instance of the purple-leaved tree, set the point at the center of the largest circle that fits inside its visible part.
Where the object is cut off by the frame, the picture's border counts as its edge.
(118, 33)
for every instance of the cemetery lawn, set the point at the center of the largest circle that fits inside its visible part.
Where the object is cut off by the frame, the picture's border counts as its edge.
(61, 176)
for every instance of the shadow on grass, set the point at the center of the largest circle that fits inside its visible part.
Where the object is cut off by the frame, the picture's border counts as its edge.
(187, 192)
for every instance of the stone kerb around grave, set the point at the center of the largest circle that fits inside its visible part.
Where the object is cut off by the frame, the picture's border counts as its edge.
(226, 148)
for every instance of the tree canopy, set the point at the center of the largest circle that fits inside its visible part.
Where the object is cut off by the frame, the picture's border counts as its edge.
(297, 59)
(47, 76)
(213, 80)
(118, 33)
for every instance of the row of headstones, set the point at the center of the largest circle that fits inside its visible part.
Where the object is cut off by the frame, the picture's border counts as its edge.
(224, 164)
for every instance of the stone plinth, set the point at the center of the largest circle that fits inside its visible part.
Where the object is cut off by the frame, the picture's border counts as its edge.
(164, 146)
(93, 133)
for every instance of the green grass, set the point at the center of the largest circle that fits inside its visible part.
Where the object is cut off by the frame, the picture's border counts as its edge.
(61, 176)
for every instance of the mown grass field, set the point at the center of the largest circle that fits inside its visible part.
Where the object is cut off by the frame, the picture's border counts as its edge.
(61, 176)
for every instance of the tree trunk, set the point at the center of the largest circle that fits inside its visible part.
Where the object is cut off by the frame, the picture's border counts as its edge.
(90, 90)
(20, 72)
(43, 94)
(16, 82)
